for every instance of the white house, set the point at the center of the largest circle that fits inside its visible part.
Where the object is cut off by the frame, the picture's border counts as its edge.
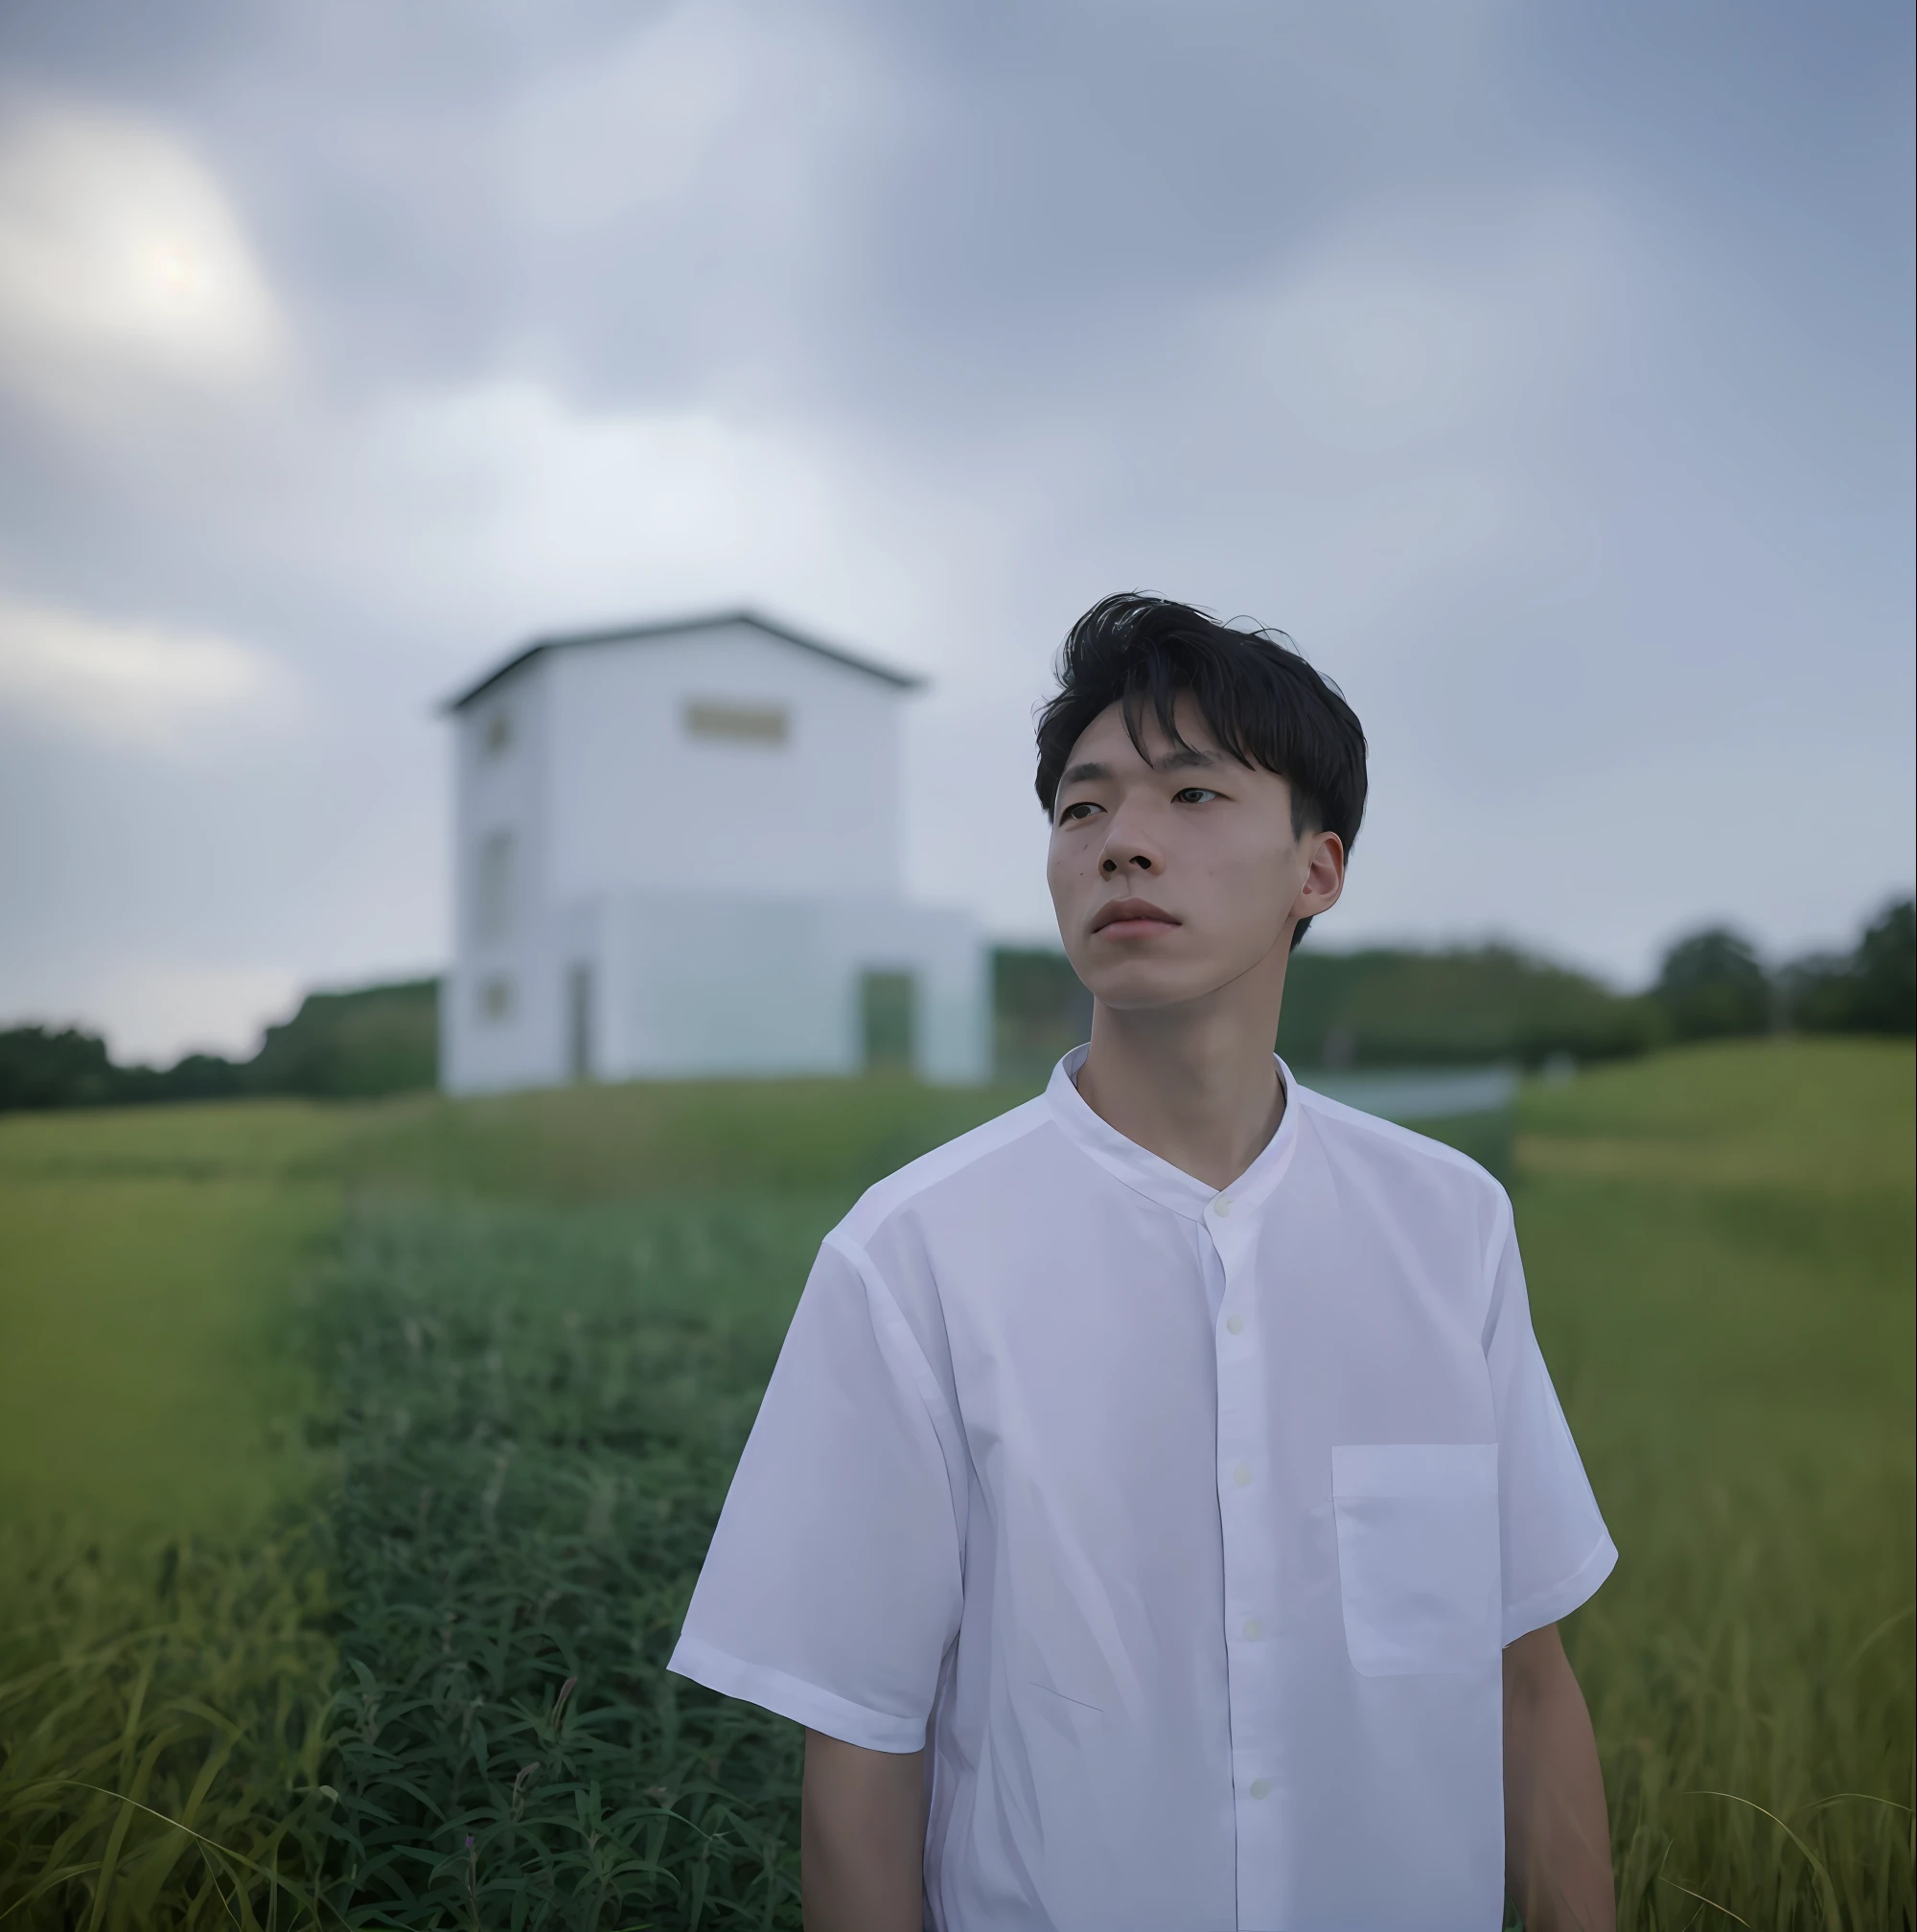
(677, 853)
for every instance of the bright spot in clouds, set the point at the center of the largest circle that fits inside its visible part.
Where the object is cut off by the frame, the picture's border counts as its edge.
(121, 254)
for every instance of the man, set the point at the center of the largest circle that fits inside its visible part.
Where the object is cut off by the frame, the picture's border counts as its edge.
(1160, 1512)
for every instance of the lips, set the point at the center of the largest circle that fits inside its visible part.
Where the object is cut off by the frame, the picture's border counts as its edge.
(1137, 918)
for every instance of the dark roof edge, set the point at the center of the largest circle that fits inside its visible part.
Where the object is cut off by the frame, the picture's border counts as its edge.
(623, 633)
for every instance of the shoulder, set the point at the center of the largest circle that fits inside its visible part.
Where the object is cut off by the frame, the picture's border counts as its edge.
(955, 1168)
(1420, 1175)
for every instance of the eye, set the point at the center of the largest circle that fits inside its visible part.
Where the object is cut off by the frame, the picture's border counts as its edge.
(1082, 809)
(1192, 795)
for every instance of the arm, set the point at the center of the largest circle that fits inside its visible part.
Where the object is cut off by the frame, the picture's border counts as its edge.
(1557, 1853)
(861, 1838)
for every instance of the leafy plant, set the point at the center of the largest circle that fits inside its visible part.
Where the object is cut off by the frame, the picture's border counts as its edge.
(539, 1416)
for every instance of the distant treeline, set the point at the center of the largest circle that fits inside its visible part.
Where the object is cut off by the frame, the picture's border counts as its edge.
(338, 1046)
(1384, 1006)
(1402, 1006)
(1387, 1007)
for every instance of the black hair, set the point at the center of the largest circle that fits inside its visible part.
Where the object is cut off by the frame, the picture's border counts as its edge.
(1262, 701)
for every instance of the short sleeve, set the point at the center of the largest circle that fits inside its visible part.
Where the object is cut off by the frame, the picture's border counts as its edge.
(832, 1586)
(1557, 1550)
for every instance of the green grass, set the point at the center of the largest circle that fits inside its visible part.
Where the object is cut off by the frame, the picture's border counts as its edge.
(147, 1256)
(162, 1731)
(146, 1261)
(531, 1347)
(144, 1389)
(162, 1609)
(575, 1146)
(539, 1417)
(164, 1633)
(1720, 1244)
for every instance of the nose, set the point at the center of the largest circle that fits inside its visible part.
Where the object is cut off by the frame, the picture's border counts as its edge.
(1130, 843)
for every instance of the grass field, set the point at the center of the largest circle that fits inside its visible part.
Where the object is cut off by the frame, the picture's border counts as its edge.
(1720, 1244)
(162, 1604)
(354, 1463)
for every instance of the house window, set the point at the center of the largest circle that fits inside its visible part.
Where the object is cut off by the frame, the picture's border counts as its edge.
(579, 1022)
(730, 722)
(496, 1001)
(497, 738)
(887, 1021)
(493, 887)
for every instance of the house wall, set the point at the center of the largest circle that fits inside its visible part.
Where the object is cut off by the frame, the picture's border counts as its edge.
(502, 789)
(682, 904)
(694, 984)
(641, 803)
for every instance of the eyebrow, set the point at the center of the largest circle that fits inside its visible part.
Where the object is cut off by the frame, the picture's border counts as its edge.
(1184, 760)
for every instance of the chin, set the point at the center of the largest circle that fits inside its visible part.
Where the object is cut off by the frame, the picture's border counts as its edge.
(1143, 985)
(1140, 992)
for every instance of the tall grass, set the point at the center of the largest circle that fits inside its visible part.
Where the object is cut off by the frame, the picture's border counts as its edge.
(1759, 1768)
(540, 1413)
(1720, 1245)
(165, 1667)
(162, 1730)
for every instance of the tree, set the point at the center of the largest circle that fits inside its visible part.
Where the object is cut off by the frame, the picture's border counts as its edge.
(39, 1068)
(1712, 986)
(374, 1040)
(1886, 972)
(1391, 1006)
(1870, 990)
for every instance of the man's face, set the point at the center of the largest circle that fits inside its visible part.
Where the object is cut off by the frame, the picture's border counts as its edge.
(1177, 872)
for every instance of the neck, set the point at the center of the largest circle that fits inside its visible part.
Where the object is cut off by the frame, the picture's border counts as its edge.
(1196, 1082)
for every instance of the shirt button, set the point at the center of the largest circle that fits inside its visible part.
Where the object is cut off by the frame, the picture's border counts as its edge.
(1253, 1629)
(1236, 1323)
(1243, 1475)
(1260, 1787)
(1222, 1206)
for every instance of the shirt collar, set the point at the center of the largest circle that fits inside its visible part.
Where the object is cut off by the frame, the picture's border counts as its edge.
(1158, 1180)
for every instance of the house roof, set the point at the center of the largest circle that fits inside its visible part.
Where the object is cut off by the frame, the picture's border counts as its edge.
(679, 627)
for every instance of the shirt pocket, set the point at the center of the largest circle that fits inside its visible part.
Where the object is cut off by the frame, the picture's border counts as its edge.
(1418, 1556)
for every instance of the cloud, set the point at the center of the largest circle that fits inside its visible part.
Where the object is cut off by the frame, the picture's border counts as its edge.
(148, 687)
(1416, 318)
(1451, 338)
(164, 1007)
(525, 507)
(627, 127)
(122, 261)
(1401, 403)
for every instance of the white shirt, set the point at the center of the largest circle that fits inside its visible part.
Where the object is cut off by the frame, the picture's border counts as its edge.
(1197, 1606)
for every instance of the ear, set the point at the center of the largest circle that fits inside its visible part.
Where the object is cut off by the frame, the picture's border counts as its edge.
(1324, 875)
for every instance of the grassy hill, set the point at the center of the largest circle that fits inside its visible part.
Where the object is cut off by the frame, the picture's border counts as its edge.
(434, 1401)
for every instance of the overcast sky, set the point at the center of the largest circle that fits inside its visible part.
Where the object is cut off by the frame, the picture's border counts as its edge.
(1545, 370)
